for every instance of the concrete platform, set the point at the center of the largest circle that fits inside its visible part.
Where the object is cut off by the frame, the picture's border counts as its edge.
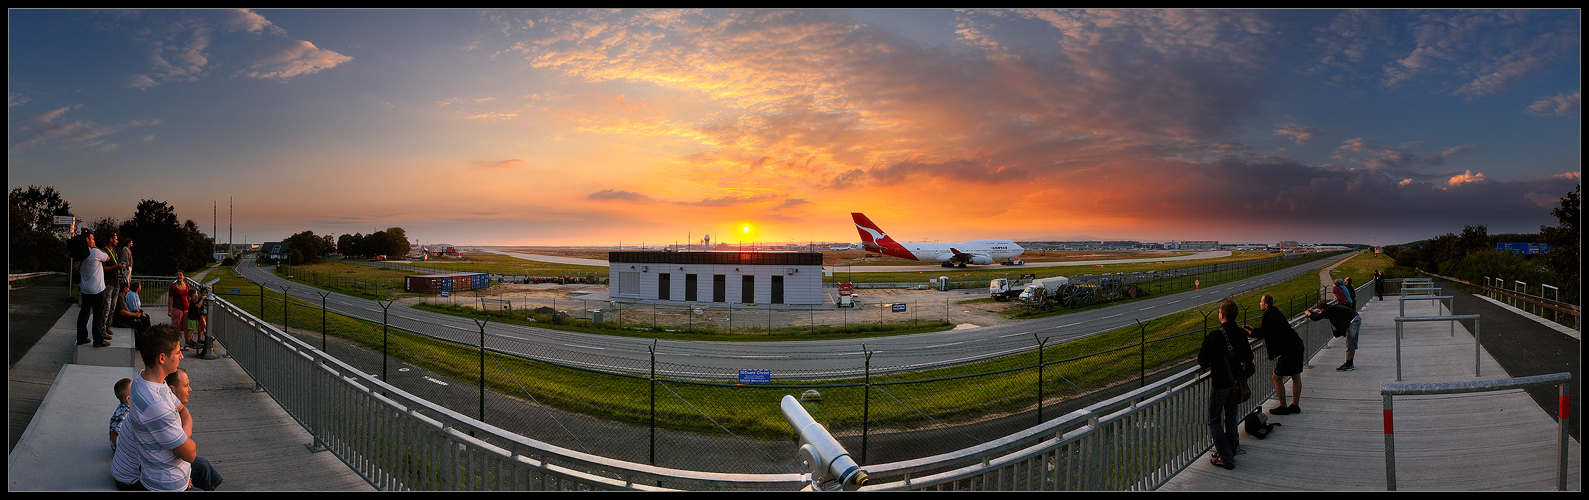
(255, 444)
(1500, 441)
(70, 450)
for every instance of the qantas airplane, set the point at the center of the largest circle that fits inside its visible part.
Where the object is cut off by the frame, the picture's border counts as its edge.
(979, 252)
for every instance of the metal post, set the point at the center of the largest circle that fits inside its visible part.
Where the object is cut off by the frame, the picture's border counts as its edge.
(385, 335)
(284, 302)
(1390, 445)
(323, 318)
(482, 325)
(1562, 404)
(866, 405)
(1142, 356)
(1040, 343)
(653, 350)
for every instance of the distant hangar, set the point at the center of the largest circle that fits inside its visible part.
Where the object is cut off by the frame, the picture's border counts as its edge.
(739, 277)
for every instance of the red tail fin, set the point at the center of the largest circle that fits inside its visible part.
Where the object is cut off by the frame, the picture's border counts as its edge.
(873, 238)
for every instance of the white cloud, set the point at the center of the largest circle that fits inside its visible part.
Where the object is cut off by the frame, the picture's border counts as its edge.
(295, 58)
(1559, 105)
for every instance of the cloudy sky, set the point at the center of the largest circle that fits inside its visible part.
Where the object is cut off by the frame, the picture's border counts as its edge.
(570, 127)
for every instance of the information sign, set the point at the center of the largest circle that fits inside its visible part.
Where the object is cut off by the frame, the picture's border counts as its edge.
(755, 376)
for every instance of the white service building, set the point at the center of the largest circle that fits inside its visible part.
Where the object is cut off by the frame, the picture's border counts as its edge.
(737, 277)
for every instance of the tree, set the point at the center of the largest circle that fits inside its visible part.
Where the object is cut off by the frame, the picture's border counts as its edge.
(396, 243)
(1565, 243)
(163, 245)
(307, 248)
(35, 243)
(40, 206)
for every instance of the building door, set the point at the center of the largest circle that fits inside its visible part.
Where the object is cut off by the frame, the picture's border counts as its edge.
(777, 289)
(748, 292)
(689, 287)
(664, 287)
(719, 288)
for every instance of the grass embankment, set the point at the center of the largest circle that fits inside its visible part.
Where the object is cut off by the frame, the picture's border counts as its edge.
(954, 394)
(750, 333)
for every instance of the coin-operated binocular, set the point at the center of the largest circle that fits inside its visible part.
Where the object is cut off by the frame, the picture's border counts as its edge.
(831, 467)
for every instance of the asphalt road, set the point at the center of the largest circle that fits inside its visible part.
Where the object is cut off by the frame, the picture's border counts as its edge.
(798, 359)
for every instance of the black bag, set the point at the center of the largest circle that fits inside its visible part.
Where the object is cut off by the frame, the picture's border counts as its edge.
(1241, 370)
(78, 247)
(1257, 424)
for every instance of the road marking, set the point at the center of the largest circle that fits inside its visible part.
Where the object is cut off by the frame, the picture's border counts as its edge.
(1146, 308)
(1107, 317)
(436, 381)
(575, 346)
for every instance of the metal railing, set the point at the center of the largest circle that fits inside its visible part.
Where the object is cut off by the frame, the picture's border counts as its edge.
(1561, 380)
(400, 442)
(1136, 441)
(397, 441)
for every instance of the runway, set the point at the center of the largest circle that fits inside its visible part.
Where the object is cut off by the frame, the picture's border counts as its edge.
(898, 269)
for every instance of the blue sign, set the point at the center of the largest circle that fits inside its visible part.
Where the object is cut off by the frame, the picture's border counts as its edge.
(1523, 248)
(755, 376)
(443, 293)
(234, 290)
(899, 308)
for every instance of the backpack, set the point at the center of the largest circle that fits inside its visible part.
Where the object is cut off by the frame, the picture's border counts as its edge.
(1256, 424)
(78, 247)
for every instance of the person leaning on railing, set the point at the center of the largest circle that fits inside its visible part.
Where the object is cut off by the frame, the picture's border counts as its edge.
(1345, 321)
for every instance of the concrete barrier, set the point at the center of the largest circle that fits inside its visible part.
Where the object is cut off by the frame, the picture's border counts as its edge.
(66, 447)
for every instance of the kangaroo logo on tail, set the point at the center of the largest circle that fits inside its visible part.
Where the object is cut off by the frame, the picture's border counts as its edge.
(874, 239)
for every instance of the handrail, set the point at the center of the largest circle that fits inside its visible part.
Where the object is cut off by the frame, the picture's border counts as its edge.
(1561, 380)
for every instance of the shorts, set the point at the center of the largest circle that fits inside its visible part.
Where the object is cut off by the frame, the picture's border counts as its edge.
(1351, 334)
(1289, 363)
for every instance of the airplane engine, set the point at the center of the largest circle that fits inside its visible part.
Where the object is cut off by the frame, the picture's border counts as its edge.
(981, 260)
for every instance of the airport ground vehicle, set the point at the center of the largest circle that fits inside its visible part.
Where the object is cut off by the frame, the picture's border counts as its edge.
(1003, 289)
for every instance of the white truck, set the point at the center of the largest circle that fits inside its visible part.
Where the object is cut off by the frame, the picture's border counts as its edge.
(1039, 290)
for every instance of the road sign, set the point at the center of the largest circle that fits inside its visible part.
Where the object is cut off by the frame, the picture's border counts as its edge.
(755, 376)
(64, 220)
(899, 308)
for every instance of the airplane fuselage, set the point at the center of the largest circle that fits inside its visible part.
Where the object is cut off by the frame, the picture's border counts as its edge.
(977, 252)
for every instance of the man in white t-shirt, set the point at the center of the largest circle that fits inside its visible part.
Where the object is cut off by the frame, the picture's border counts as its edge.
(159, 424)
(91, 295)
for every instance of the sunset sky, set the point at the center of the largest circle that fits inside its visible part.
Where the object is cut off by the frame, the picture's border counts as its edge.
(573, 127)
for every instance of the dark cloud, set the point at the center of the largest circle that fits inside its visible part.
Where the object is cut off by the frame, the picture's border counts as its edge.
(619, 195)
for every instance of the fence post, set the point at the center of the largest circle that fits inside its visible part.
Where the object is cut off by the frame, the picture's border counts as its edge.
(1142, 355)
(284, 303)
(322, 318)
(384, 336)
(653, 349)
(482, 325)
(1040, 343)
(866, 405)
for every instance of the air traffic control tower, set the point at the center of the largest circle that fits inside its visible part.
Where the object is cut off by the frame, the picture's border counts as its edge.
(738, 277)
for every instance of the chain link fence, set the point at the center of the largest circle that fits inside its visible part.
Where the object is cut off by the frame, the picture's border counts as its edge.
(646, 412)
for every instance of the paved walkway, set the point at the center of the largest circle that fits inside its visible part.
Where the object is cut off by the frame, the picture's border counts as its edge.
(1501, 441)
(253, 443)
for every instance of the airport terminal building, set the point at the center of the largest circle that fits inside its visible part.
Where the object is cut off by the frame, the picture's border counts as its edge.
(736, 277)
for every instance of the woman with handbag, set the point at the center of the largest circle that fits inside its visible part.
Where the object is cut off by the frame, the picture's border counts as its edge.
(1228, 358)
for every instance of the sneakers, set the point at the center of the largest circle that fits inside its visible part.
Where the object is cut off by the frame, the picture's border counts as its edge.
(1346, 367)
(1294, 409)
(1280, 410)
